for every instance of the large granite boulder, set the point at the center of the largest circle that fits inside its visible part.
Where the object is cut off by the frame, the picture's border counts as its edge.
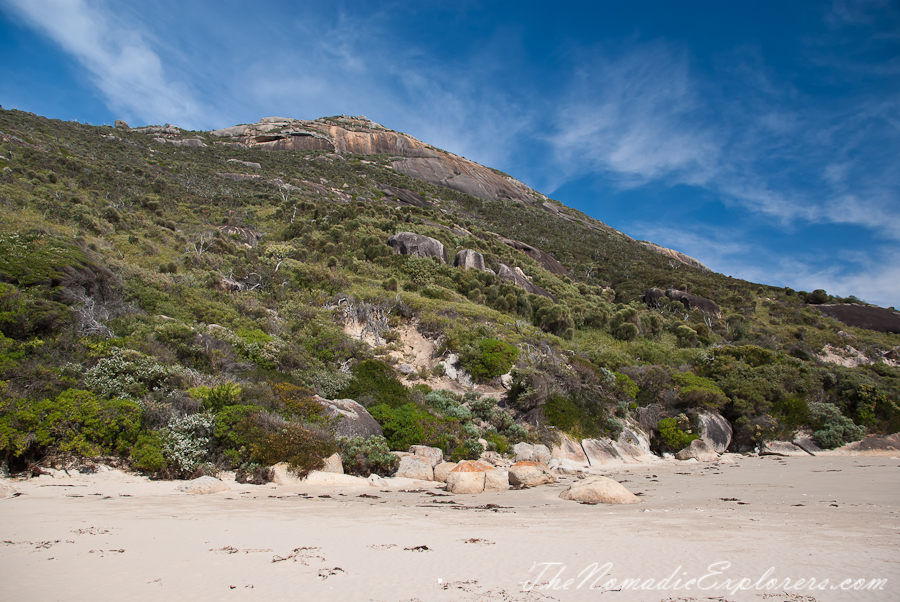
(694, 302)
(633, 445)
(594, 490)
(434, 455)
(526, 452)
(716, 431)
(785, 449)
(496, 480)
(468, 477)
(529, 474)
(652, 296)
(442, 470)
(469, 259)
(698, 450)
(568, 449)
(601, 451)
(203, 486)
(353, 419)
(805, 441)
(415, 467)
(121, 125)
(409, 243)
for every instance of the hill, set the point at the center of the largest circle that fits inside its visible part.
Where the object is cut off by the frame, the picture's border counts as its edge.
(178, 299)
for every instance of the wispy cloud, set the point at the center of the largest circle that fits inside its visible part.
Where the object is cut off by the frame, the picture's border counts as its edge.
(753, 141)
(636, 117)
(869, 274)
(125, 68)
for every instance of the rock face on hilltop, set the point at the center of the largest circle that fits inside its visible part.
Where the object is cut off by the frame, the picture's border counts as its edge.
(358, 135)
(676, 255)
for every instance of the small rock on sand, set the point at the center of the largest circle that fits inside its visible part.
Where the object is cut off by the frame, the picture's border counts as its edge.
(599, 490)
(530, 474)
(203, 485)
(698, 450)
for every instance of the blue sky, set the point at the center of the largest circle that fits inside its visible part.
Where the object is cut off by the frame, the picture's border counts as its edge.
(762, 138)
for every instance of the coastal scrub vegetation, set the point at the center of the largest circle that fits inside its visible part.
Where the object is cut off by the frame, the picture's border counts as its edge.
(159, 309)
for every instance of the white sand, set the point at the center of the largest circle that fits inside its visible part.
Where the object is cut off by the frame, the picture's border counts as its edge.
(114, 537)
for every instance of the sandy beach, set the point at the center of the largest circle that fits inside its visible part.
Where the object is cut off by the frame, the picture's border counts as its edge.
(113, 536)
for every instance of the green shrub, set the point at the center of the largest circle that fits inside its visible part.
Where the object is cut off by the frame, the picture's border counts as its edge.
(216, 398)
(304, 449)
(489, 358)
(831, 428)
(148, 453)
(76, 421)
(366, 456)
(582, 418)
(411, 425)
(186, 441)
(673, 437)
(468, 450)
(698, 391)
(497, 442)
(374, 383)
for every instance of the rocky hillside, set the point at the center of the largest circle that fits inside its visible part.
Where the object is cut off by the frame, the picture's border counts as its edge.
(190, 301)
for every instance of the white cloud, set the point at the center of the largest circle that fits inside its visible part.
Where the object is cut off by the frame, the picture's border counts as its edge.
(636, 118)
(125, 68)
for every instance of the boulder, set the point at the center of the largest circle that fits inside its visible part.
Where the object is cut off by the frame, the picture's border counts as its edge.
(120, 125)
(633, 445)
(469, 259)
(652, 296)
(529, 474)
(453, 370)
(872, 445)
(508, 274)
(599, 490)
(281, 474)
(204, 485)
(782, 448)
(716, 431)
(496, 480)
(568, 449)
(694, 302)
(698, 450)
(409, 243)
(805, 442)
(601, 451)
(523, 452)
(415, 467)
(442, 470)
(468, 477)
(434, 455)
(493, 458)
(353, 419)
(406, 369)
(333, 464)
